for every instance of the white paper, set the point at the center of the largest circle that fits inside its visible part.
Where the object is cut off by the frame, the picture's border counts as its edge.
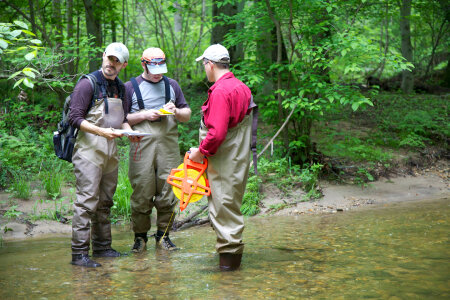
(131, 133)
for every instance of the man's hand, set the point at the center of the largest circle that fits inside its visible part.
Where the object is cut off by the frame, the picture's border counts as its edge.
(170, 106)
(109, 133)
(152, 115)
(196, 155)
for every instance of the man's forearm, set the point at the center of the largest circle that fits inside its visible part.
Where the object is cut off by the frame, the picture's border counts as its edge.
(183, 114)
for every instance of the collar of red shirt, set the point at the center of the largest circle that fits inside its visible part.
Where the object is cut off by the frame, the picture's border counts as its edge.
(224, 77)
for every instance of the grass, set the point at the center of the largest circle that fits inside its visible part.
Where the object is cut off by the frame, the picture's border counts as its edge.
(21, 187)
(52, 182)
(121, 210)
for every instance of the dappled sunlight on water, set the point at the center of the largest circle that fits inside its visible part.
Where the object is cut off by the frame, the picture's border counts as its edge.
(399, 251)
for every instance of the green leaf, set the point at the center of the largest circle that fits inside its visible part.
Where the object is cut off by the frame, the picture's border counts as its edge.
(21, 24)
(14, 75)
(355, 106)
(16, 33)
(28, 32)
(329, 9)
(36, 41)
(28, 83)
(30, 55)
(18, 82)
(3, 44)
(29, 73)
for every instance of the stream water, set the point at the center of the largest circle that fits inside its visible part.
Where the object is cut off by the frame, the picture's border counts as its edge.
(396, 251)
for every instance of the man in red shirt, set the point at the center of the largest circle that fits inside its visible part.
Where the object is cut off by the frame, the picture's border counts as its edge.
(225, 138)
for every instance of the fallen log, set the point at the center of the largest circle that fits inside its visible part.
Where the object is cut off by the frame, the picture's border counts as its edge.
(189, 219)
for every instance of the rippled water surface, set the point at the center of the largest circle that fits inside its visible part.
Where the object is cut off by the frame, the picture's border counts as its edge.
(400, 251)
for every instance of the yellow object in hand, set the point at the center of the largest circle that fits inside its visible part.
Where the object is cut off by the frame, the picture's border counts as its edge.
(162, 111)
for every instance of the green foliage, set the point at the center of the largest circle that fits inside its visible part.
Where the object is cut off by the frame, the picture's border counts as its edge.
(52, 182)
(336, 142)
(121, 209)
(309, 177)
(60, 208)
(250, 202)
(362, 177)
(19, 155)
(19, 115)
(21, 187)
(12, 212)
(285, 176)
(414, 121)
(12, 44)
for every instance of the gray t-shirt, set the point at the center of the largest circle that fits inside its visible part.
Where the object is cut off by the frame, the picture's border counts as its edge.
(153, 94)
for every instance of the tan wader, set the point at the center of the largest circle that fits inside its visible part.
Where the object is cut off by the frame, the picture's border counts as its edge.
(149, 167)
(95, 165)
(227, 174)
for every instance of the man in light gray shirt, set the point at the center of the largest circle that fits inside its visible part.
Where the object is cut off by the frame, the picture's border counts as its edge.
(152, 159)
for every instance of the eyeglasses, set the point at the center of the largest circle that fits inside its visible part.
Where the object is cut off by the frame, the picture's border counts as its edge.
(205, 62)
(155, 61)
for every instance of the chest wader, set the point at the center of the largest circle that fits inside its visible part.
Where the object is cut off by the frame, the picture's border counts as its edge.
(149, 166)
(227, 174)
(95, 165)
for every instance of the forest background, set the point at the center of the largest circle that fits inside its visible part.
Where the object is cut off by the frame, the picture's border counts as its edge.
(348, 90)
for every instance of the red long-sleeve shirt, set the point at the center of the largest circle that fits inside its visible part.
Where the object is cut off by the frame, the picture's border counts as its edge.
(226, 106)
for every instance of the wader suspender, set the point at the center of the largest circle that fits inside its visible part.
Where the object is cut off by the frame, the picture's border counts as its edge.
(137, 91)
(254, 107)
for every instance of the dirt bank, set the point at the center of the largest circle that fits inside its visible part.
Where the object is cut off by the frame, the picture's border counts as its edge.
(430, 184)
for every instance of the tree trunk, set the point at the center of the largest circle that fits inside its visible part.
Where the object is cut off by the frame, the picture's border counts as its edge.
(124, 39)
(71, 64)
(279, 59)
(219, 31)
(407, 51)
(93, 27)
(57, 22)
(177, 20)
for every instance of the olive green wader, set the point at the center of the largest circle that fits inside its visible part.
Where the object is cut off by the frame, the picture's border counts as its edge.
(227, 174)
(149, 167)
(95, 165)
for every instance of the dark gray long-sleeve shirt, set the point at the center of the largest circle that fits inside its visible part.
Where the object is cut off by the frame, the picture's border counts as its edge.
(82, 97)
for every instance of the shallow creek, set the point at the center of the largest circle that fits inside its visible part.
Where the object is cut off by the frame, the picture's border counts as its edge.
(395, 251)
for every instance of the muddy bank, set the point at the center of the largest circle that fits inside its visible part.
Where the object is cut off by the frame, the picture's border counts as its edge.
(340, 198)
(430, 185)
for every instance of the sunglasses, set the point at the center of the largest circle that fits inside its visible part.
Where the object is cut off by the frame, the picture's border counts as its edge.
(155, 61)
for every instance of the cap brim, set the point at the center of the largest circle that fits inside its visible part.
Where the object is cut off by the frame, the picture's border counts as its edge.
(157, 69)
(199, 58)
(117, 55)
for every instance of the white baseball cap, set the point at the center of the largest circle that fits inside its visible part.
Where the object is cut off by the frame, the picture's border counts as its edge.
(216, 53)
(118, 50)
(155, 60)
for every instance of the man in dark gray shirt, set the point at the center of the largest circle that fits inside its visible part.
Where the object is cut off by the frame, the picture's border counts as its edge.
(159, 152)
(95, 159)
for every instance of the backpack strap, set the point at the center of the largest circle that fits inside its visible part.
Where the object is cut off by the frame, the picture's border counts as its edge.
(167, 88)
(93, 81)
(254, 109)
(102, 84)
(137, 91)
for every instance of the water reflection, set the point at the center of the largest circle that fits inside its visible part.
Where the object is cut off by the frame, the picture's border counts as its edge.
(399, 252)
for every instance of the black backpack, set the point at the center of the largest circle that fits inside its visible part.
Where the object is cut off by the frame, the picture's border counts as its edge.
(65, 136)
